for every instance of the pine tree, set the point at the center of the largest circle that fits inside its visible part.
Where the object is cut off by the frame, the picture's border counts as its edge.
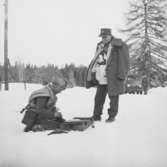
(145, 28)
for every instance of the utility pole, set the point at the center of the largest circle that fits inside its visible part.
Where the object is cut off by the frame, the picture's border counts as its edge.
(6, 60)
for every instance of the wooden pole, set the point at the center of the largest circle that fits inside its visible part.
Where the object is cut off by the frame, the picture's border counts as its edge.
(6, 61)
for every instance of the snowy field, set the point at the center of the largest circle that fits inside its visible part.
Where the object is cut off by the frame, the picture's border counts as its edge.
(138, 137)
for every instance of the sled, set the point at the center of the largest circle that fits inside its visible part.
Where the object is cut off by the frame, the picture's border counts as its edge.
(76, 124)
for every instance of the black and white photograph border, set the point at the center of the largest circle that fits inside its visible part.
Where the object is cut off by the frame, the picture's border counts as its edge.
(83, 83)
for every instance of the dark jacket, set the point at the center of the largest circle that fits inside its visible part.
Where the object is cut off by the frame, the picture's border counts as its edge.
(116, 69)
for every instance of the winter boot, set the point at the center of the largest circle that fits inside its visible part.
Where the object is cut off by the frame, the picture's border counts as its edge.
(110, 119)
(96, 117)
(27, 129)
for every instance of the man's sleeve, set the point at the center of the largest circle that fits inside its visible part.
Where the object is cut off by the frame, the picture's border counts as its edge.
(123, 62)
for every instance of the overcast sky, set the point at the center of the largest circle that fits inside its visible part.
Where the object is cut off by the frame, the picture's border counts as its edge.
(59, 31)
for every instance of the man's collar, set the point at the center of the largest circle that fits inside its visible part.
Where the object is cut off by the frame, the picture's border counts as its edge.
(116, 42)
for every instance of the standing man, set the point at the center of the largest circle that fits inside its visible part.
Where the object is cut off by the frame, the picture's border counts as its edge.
(108, 71)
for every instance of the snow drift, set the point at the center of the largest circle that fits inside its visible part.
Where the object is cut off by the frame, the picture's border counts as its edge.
(137, 137)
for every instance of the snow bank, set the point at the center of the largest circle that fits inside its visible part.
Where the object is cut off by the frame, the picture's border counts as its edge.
(137, 137)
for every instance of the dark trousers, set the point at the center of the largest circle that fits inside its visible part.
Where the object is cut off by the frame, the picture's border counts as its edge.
(100, 97)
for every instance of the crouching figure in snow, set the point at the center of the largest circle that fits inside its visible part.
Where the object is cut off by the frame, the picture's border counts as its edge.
(41, 112)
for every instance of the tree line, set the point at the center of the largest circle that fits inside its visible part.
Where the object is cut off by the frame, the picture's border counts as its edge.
(28, 73)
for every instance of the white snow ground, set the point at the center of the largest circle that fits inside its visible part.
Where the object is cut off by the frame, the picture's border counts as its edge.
(138, 137)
